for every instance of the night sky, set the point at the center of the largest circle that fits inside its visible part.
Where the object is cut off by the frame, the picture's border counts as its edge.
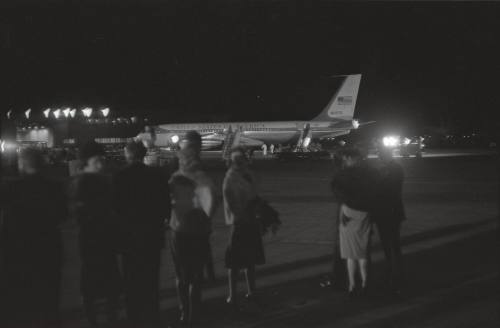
(422, 63)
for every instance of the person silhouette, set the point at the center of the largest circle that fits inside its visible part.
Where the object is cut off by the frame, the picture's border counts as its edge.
(33, 208)
(90, 202)
(142, 205)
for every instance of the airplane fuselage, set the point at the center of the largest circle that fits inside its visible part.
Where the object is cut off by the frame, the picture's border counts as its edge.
(253, 134)
(336, 119)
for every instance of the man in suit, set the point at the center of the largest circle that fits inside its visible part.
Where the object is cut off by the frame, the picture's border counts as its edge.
(336, 278)
(142, 205)
(388, 215)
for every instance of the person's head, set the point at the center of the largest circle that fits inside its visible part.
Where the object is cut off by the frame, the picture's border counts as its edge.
(238, 158)
(92, 156)
(182, 190)
(30, 161)
(192, 139)
(135, 152)
(351, 157)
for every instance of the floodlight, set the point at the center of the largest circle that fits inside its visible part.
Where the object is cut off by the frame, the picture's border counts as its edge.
(66, 112)
(46, 113)
(56, 113)
(87, 112)
(27, 113)
(72, 112)
(105, 112)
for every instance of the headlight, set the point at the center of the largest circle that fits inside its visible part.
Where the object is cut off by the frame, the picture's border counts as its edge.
(390, 141)
(175, 139)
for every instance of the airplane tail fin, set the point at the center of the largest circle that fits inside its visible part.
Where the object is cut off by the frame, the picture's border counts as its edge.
(343, 103)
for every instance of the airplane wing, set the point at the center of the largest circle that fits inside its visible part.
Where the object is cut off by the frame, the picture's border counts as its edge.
(249, 142)
(335, 134)
(215, 140)
(366, 123)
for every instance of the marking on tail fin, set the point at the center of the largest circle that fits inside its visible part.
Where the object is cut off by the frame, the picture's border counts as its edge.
(343, 103)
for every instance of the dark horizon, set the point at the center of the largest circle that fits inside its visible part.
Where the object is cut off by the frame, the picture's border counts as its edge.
(422, 63)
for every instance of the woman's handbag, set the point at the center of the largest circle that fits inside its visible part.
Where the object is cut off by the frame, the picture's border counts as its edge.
(267, 216)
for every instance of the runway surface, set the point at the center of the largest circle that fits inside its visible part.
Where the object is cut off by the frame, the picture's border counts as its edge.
(427, 153)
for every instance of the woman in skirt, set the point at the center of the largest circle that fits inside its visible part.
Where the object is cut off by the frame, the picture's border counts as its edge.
(245, 249)
(354, 186)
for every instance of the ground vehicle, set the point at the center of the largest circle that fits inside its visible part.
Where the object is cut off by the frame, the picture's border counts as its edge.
(403, 146)
(411, 146)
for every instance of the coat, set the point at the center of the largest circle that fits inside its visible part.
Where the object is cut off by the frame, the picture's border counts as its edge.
(356, 187)
(190, 166)
(205, 195)
(92, 207)
(90, 202)
(239, 191)
(389, 206)
(33, 207)
(141, 200)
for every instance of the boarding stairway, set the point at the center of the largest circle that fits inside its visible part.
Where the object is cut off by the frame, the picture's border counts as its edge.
(304, 139)
(232, 140)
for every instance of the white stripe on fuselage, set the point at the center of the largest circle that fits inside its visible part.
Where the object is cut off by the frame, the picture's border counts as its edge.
(277, 132)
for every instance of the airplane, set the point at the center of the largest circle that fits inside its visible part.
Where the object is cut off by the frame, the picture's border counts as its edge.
(335, 120)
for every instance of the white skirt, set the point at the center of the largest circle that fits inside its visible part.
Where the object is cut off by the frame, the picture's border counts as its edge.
(354, 233)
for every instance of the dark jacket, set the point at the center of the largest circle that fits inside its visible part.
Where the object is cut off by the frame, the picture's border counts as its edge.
(356, 187)
(92, 208)
(389, 196)
(142, 205)
(33, 208)
(90, 200)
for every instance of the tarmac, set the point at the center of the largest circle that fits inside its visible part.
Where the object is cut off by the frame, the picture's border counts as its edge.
(450, 244)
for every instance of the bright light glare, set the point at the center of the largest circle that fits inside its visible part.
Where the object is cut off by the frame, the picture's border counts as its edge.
(87, 112)
(27, 113)
(390, 141)
(355, 124)
(66, 112)
(175, 139)
(307, 141)
(46, 113)
(72, 112)
(56, 113)
(6, 146)
(105, 112)
(407, 141)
